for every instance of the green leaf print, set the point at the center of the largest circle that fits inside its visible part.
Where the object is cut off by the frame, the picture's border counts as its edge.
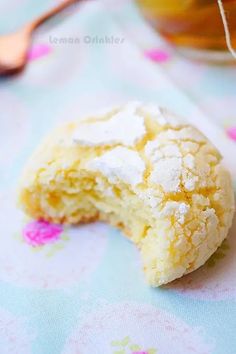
(115, 343)
(54, 249)
(50, 253)
(58, 246)
(65, 237)
(152, 351)
(127, 347)
(37, 249)
(135, 347)
(220, 253)
(125, 341)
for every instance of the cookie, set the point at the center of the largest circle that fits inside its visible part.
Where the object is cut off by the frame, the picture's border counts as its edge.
(142, 169)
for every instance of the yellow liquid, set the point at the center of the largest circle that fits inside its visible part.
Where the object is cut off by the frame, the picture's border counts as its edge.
(195, 24)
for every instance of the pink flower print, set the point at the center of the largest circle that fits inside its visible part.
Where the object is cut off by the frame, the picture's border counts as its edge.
(157, 55)
(231, 132)
(140, 353)
(37, 51)
(38, 233)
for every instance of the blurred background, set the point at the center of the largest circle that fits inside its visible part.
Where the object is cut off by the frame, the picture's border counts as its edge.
(196, 56)
(93, 55)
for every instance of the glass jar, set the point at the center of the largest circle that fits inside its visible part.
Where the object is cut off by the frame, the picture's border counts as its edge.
(194, 26)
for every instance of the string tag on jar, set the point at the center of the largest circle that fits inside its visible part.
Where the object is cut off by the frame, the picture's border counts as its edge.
(226, 29)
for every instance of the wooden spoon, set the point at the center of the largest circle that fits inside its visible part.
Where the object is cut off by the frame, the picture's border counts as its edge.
(14, 46)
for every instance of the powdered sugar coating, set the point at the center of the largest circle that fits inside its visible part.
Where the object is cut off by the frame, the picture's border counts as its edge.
(113, 164)
(141, 168)
(115, 130)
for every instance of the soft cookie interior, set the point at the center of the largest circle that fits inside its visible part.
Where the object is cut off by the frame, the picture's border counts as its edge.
(141, 169)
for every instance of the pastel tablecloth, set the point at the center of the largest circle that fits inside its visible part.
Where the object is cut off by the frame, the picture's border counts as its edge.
(84, 292)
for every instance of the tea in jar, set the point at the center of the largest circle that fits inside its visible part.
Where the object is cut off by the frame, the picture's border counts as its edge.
(195, 26)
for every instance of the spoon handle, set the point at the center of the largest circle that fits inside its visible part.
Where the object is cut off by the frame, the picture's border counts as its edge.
(47, 15)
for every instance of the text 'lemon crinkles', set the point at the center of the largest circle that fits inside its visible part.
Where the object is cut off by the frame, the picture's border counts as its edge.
(139, 168)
